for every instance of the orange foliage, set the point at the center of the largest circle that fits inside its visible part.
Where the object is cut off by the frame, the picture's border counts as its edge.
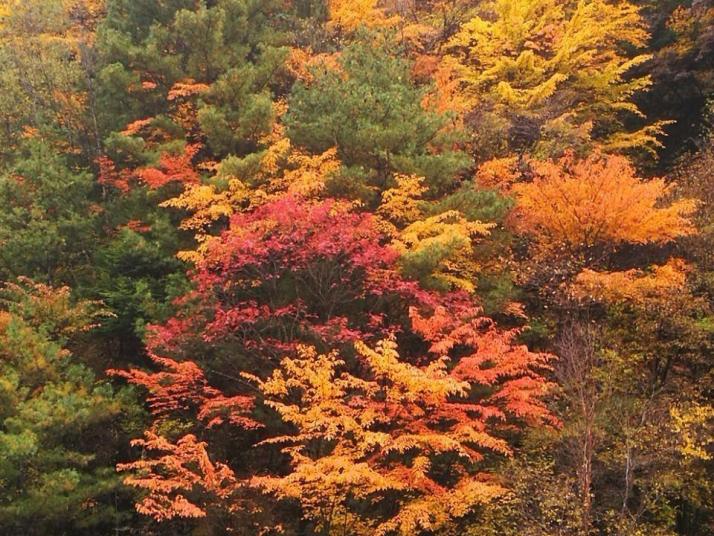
(137, 226)
(137, 126)
(383, 435)
(499, 173)
(110, 176)
(296, 63)
(490, 357)
(447, 95)
(386, 432)
(180, 481)
(349, 15)
(598, 201)
(186, 88)
(425, 66)
(182, 387)
(632, 286)
(172, 168)
(302, 62)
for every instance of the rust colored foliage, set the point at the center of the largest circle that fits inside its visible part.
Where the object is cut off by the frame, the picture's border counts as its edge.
(489, 357)
(386, 425)
(180, 479)
(109, 175)
(186, 88)
(171, 168)
(182, 388)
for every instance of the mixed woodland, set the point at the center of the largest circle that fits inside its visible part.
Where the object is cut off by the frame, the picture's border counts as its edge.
(356, 267)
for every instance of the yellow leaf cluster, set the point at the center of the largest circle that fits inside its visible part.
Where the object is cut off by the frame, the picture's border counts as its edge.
(305, 175)
(437, 249)
(406, 383)
(284, 168)
(401, 204)
(540, 57)
(441, 249)
(632, 286)
(435, 512)
(206, 203)
(348, 15)
(348, 430)
(693, 426)
(322, 416)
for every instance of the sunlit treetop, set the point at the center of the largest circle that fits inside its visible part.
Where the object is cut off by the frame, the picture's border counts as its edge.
(598, 201)
(348, 15)
(551, 71)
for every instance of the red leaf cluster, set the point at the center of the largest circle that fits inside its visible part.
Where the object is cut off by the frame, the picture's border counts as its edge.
(181, 387)
(290, 271)
(172, 168)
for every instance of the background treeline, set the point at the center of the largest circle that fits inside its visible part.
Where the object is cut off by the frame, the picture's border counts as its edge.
(330, 267)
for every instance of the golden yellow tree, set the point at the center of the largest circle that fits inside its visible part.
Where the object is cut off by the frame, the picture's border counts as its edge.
(548, 72)
(384, 439)
(348, 15)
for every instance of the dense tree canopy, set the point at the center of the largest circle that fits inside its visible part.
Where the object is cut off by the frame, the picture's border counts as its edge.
(355, 268)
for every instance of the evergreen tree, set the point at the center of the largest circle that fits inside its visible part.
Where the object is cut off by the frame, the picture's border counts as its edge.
(48, 223)
(60, 428)
(369, 108)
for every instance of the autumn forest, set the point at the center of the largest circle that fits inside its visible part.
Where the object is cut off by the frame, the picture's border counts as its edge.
(356, 267)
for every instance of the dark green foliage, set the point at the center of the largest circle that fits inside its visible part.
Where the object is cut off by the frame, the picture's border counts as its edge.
(371, 111)
(137, 275)
(47, 224)
(231, 42)
(60, 428)
(477, 204)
